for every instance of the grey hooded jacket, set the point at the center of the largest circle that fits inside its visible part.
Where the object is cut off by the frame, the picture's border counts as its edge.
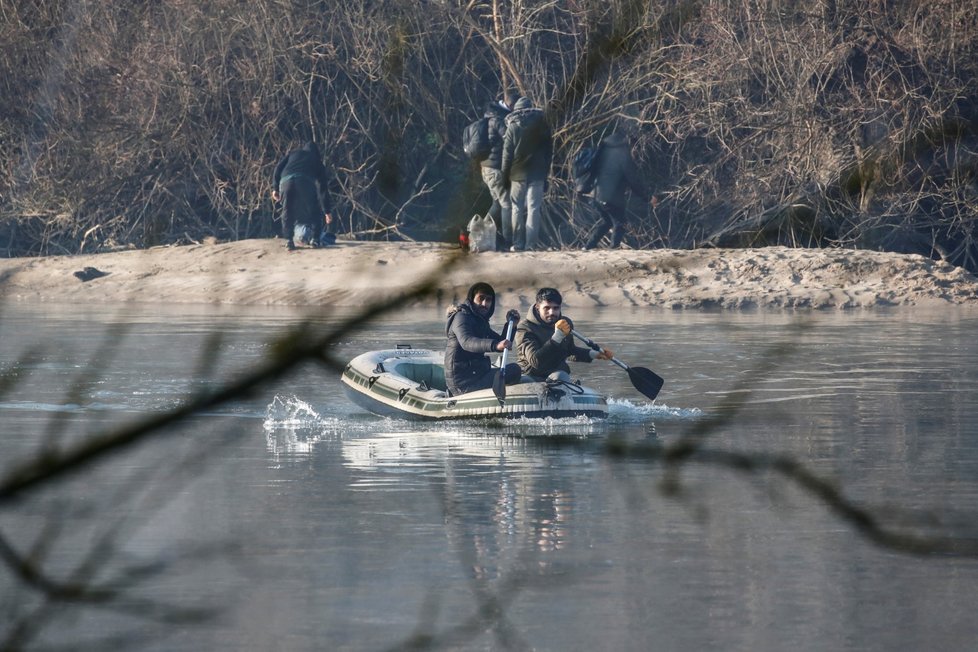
(528, 144)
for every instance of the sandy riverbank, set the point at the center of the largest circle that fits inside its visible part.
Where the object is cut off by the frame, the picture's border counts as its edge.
(354, 273)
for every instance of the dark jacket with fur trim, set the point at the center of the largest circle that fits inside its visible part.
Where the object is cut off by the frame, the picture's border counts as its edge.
(470, 338)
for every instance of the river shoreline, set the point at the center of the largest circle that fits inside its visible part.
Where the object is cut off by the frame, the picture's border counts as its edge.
(352, 274)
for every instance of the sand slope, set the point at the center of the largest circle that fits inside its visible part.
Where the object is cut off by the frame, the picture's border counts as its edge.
(353, 273)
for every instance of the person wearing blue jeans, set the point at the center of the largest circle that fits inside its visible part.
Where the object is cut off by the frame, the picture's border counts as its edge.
(527, 156)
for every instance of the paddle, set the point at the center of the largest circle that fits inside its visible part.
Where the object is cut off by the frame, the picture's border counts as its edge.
(644, 380)
(499, 383)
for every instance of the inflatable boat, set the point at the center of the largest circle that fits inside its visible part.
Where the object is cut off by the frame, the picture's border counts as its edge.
(410, 384)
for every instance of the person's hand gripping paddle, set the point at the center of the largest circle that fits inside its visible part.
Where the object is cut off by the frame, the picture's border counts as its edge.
(499, 383)
(644, 380)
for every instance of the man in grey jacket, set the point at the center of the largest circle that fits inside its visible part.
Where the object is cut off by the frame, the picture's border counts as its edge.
(527, 155)
(616, 173)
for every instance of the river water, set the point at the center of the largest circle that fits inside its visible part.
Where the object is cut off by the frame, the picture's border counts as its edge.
(292, 520)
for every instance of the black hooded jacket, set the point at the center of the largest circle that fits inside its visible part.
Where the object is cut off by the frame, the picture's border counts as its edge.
(496, 114)
(469, 339)
(305, 163)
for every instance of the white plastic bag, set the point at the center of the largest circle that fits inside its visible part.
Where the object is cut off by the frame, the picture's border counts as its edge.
(482, 234)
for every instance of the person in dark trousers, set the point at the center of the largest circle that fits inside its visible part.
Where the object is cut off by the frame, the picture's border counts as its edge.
(470, 337)
(544, 341)
(301, 184)
(527, 155)
(616, 173)
(501, 209)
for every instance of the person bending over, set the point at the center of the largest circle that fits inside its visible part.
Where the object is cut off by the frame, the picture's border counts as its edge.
(470, 337)
(300, 182)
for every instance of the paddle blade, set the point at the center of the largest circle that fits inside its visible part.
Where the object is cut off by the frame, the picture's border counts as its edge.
(645, 381)
(499, 385)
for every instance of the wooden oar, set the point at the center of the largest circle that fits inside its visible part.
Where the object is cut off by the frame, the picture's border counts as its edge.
(645, 380)
(499, 383)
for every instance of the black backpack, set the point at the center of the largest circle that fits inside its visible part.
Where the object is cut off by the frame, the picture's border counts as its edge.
(475, 140)
(585, 168)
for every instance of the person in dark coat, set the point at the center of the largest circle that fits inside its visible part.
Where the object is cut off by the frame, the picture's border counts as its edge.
(501, 209)
(616, 173)
(527, 154)
(470, 337)
(544, 341)
(301, 183)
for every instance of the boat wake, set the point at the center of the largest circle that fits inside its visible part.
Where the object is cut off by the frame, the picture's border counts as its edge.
(293, 412)
(294, 425)
(625, 411)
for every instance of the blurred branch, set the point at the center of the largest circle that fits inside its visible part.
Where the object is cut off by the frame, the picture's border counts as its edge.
(289, 352)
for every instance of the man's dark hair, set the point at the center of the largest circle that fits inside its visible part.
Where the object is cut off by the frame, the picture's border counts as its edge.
(510, 96)
(550, 295)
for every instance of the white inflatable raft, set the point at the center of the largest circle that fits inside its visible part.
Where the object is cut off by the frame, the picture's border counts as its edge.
(410, 384)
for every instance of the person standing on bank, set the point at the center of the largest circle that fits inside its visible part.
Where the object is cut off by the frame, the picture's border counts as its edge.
(544, 341)
(527, 155)
(616, 173)
(301, 183)
(501, 210)
(470, 337)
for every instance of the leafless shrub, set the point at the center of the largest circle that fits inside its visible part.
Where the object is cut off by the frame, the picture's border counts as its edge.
(847, 124)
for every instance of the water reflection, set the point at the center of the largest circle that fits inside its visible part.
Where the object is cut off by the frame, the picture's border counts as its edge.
(358, 532)
(503, 506)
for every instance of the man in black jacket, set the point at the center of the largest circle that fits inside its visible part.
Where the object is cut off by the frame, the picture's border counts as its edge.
(301, 183)
(544, 341)
(616, 173)
(501, 210)
(527, 154)
(470, 337)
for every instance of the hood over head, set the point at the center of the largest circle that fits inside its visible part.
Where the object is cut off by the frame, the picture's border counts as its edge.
(615, 139)
(483, 288)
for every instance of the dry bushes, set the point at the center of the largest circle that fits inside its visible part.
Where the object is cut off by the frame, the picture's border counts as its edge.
(811, 124)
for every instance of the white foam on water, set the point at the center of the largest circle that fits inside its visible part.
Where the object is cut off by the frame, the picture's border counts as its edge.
(625, 411)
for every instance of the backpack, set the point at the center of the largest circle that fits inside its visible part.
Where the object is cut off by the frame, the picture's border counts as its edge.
(585, 168)
(475, 140)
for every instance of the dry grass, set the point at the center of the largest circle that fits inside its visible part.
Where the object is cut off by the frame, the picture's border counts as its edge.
(849, 124)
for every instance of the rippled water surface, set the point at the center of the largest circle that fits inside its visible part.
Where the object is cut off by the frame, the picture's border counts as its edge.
(293, 520)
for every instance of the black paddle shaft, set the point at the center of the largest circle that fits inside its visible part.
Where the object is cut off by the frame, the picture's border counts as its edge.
(644, 380)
